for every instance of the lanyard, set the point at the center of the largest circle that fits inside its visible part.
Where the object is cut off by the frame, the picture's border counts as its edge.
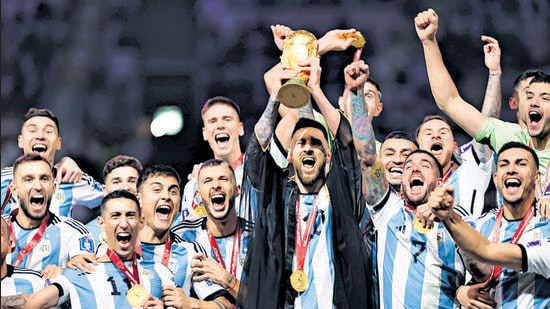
(167, 250)
(234, 252)
(35, 239)
(517, 235)
(133, 276)
(238, 162)
(447, 174)
(302, 240)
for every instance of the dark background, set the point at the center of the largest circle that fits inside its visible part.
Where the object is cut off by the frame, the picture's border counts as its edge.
(104, 66)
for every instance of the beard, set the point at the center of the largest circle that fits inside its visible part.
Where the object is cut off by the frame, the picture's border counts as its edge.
(25, 208)
(229, 209)
(309, 180)
(422, 199)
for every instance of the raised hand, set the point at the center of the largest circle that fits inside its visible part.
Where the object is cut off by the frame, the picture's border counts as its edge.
(491, 49)
(426, 24)
(356, 74)
(280, 32)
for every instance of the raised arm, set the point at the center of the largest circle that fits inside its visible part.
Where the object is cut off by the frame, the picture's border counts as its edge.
(443, 88)
(493, 98)
(374, 183)
(331, 114)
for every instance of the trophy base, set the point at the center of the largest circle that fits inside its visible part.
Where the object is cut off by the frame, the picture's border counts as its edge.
(294, 94)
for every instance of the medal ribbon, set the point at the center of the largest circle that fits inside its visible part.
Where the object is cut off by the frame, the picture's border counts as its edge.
(447, 174)
(132, 276)
(35, 239)
(517, 235)
(234, 252)
(302, 240)
(238, 162)
(167, 250)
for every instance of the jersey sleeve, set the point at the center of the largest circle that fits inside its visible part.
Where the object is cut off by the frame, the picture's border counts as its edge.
(538, 257)
(81, 240)
(88, 192)
(496, 133)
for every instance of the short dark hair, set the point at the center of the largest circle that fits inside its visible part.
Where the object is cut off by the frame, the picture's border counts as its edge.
(119, 194)
(540, 78)
(429, 118)
(310, 123)
(41, 112)
(511, 145)
(216, 162)
(158, 170)
(376, 85)
(30, 157)
(438, 165)
(525, 75)
(220, 100)
(120, 161)
(399, 134)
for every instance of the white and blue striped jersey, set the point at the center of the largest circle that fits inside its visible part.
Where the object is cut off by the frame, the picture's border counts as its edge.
(319, 259)
(413, 270)
(21, 281)
(95, 231)
(195, 230)
(530, 289)
(179, 264)
(63, 239)
(191, 197)
(471, 179)
(107, 286)
(88, 192)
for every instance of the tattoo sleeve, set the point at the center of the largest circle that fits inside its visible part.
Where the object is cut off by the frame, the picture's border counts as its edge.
(266, 124)
(374, 179)
(13, 301)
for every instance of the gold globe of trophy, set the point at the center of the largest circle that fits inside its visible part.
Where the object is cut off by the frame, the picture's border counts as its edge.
(297, 47)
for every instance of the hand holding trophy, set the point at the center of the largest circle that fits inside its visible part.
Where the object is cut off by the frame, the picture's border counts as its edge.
(298, 46)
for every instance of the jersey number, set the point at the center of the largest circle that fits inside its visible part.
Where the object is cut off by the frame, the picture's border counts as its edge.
(113, 286)
(421, 248)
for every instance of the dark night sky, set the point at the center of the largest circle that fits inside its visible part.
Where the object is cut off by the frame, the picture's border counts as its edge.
(104, 66)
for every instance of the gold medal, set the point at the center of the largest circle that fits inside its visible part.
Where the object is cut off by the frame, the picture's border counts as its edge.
(418, 226)
(200, 210)
(299, 281)
(137, 295)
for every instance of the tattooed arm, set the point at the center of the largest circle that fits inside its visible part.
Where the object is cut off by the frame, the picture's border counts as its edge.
(44, 298)
(374, 181)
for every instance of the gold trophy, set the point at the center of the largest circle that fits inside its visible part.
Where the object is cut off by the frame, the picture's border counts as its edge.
(297, 47)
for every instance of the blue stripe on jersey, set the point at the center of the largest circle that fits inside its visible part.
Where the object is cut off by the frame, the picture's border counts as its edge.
(65, 206)
(53, 236)
(178, 263)
(518, 289)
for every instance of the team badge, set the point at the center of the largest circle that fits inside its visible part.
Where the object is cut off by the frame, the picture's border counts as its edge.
(173, 266)
(146, 273)
(43, 248)
(87, 244)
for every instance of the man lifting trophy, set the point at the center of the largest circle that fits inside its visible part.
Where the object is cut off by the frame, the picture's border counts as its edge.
(297, 47)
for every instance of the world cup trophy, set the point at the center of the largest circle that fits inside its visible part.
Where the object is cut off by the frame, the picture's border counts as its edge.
(298, 46)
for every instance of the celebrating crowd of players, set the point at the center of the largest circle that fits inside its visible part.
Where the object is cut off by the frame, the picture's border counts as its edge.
(316, 213)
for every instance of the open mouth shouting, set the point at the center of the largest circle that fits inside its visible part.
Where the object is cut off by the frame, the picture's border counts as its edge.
(218, 201)
(124, 240)
(512, 185)
(222, 139)
(308, 163)
(416, 184)
(535, 118)
(436, 148)
(163, 212)
(39, 148)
